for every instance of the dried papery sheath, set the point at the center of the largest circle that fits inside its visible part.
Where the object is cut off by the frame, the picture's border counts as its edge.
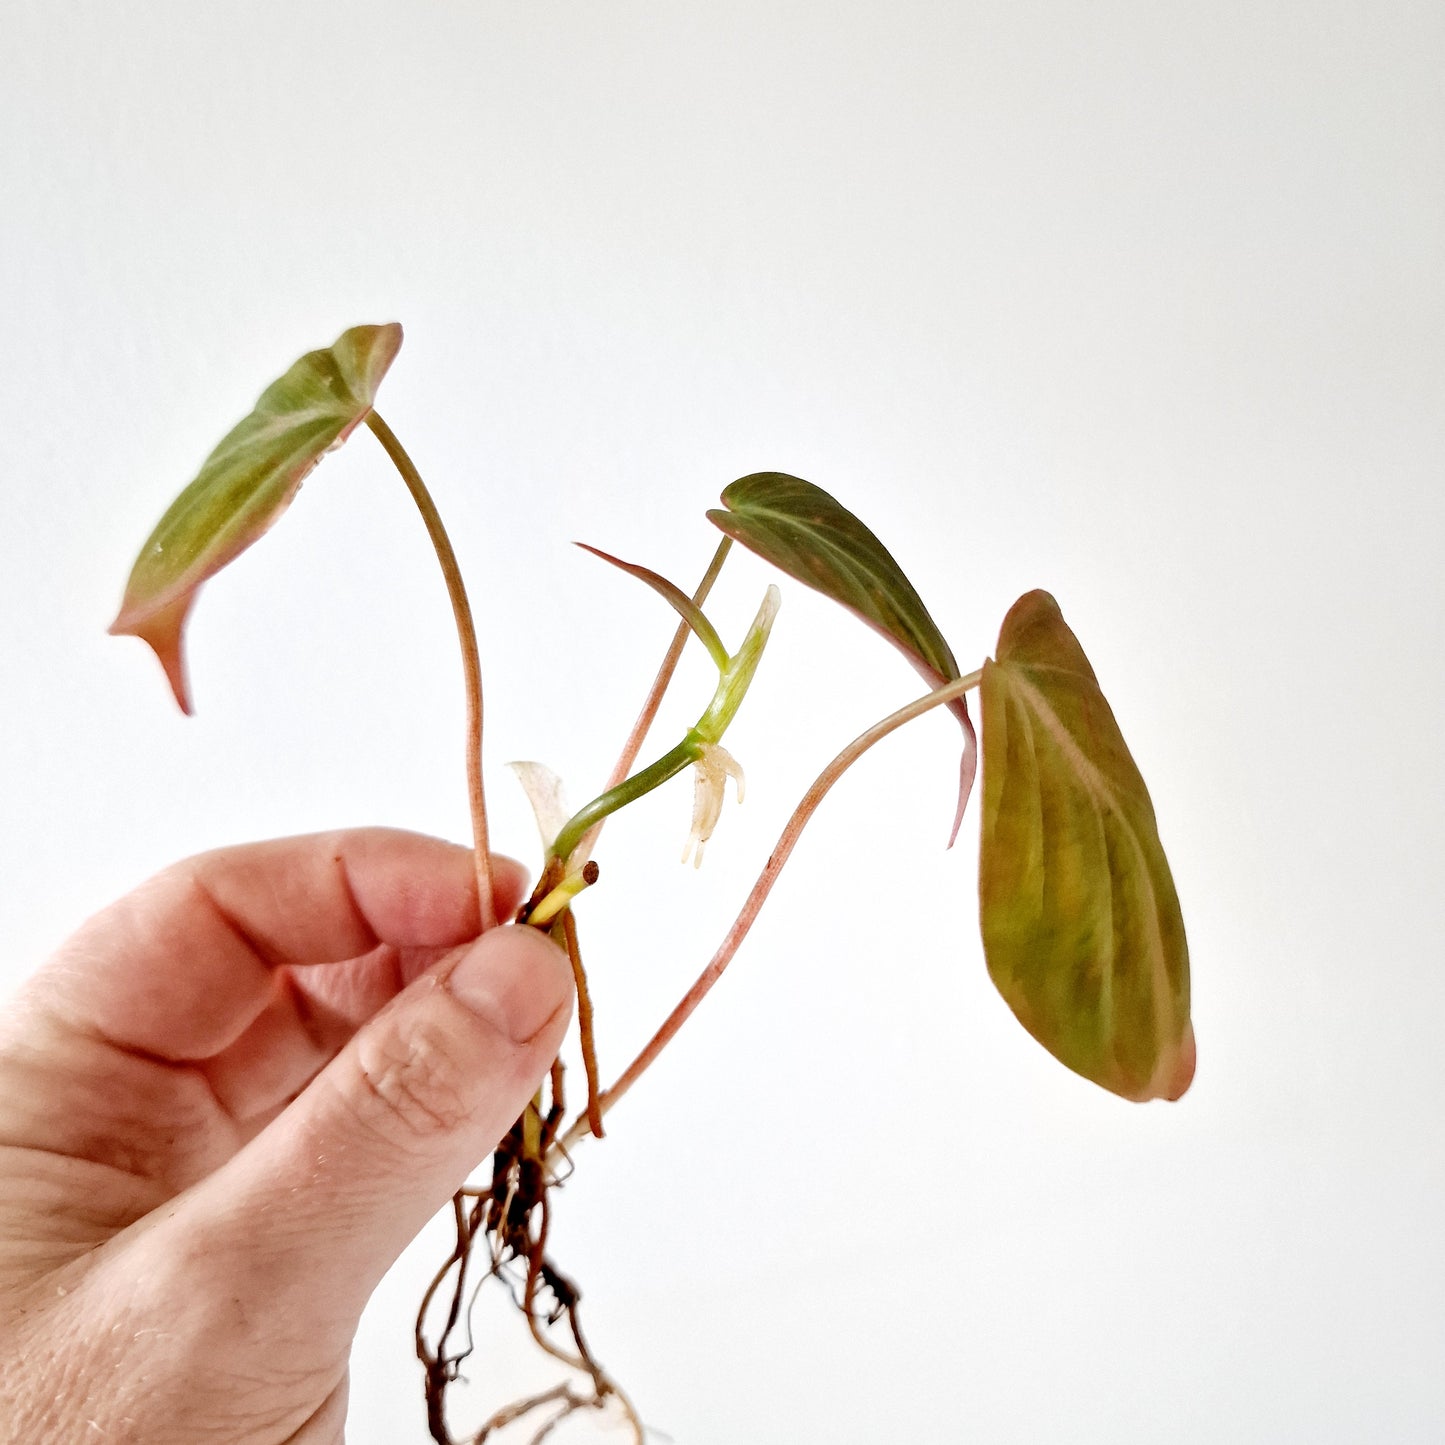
(544, 792)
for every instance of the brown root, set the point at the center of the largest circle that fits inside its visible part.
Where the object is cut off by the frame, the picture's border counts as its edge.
(501, 1233)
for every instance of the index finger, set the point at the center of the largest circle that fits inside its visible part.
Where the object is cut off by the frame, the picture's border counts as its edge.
(181, 967)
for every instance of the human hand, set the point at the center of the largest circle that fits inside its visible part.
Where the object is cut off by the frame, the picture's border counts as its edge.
(226, 1105)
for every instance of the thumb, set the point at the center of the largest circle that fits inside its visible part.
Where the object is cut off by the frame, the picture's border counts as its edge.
(343, 1179)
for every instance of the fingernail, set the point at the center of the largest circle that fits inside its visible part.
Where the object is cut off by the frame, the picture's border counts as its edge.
(514, 978)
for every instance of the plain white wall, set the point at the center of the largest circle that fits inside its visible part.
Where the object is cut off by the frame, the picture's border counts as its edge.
(1139, 302)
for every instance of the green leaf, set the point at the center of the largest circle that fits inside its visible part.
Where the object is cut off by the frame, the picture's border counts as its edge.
(815, 539)
(246, 483)
(676, 598)
(1081, 924)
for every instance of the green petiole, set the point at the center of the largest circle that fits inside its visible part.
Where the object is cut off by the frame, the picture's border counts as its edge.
(733, 681)
(669, 765)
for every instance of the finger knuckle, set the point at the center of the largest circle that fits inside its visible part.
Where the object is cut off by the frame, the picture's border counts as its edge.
(415, 1079)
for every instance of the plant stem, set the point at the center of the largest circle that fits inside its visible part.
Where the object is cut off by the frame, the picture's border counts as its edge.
(669, 765)
(557, 900)
(638, 735)
(733, 682)
(760, 890)
(471, 664)
(584, 1022)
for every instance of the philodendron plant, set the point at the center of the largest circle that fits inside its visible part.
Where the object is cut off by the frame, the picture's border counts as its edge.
(1081, 924)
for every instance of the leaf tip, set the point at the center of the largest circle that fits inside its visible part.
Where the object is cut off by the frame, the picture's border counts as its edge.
(163, 631)
(1183, 1073)
(1172, 1075)
(967, 766)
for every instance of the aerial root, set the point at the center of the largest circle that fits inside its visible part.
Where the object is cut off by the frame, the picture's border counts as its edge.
(501, 1232)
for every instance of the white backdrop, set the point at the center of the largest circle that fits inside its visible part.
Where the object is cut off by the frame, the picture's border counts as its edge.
(1138, 302)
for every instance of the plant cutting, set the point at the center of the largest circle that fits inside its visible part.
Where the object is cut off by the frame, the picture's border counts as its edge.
(1081, 924)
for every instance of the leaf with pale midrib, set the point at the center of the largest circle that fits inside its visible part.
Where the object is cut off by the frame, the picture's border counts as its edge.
(246, 483)
(811, 536)
(1081, 923)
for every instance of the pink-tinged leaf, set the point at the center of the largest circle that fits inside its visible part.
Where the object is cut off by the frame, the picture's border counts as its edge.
(1081, 924)
(246, 483)
(814, 538)
(675, 597)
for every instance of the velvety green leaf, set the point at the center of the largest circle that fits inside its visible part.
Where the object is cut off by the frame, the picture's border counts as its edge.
(247, 482)
(1081, 924)
(814, 538)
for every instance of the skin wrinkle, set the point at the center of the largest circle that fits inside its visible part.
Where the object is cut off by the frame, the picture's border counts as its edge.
(327, 1425)
(359, 987)
(142, 1107)
(329, 998)
(146, 1282)
(79, 1021)
(71, 1191)
(318, 1023)
(138, 1380)
(273, 956)
(236, 1082)
(348, 891)
(269, 954)
(410, 896)
(411, 1076)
